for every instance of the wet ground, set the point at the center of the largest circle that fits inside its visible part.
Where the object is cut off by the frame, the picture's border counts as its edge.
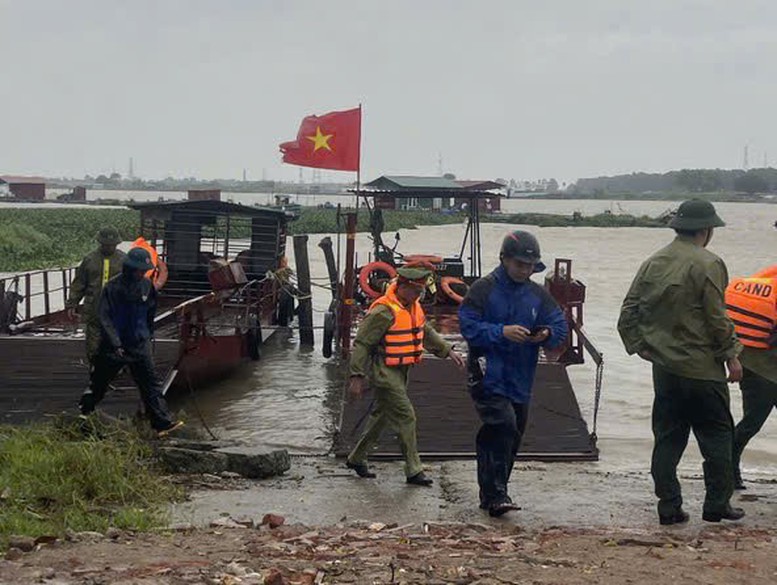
(321, 491)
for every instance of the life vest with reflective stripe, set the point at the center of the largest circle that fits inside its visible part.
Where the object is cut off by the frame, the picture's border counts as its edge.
(158, 274)
(751, 304)
(403, 344)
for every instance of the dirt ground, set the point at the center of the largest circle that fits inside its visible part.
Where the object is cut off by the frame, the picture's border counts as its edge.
(432, 553)
(580, 523)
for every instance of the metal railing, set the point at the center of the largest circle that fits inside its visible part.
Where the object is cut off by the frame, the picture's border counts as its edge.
(40, 292)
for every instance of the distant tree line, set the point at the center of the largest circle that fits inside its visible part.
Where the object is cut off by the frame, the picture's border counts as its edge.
(683, 181)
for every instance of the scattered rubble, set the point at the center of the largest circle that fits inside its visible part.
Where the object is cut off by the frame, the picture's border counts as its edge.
(273, 520)
(232, 553)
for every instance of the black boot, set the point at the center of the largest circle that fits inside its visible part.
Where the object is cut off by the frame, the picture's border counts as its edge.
(420, 479)
(361, 470)
(728, 513)
(678, 517)
(502, 507)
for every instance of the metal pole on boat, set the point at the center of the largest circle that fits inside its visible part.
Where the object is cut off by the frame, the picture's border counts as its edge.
(303, 284)
(348, 286)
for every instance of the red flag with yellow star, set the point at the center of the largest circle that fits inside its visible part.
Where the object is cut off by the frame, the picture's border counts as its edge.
(331, 141)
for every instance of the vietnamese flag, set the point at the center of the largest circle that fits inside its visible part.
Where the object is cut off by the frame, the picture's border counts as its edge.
(331, 141)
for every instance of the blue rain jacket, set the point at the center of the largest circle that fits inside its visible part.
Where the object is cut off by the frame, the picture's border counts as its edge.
(495, 364)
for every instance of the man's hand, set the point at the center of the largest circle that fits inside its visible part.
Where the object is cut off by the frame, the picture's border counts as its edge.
(356, 386)
(457, 359)
(645, 355)
(734, 370)
(120, 352)
(71, 314)
(541, 336)
(516, 333)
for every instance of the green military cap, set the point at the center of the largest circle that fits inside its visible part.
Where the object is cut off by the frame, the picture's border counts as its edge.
(108, 235)
(696, 214)
(414, 275)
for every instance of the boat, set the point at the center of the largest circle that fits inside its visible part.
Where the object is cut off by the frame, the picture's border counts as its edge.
(225, 294)
(447, 422)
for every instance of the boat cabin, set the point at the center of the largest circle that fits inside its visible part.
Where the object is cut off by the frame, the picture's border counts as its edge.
(192, 237)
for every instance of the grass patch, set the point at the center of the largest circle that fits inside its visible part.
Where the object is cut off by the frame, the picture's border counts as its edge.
(605, 220)
(31, 239)
(53, 479)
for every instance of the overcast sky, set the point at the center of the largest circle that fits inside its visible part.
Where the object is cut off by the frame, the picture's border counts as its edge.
(501, 88)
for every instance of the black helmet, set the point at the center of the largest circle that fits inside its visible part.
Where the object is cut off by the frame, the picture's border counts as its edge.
(522, 246)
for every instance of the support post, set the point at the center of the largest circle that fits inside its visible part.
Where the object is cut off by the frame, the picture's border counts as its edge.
(46, 300)
(303, 284)
(346, 314)
(65, 283)
(326, 245)
(27, 297)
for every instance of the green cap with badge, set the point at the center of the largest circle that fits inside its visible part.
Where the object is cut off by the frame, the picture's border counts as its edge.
(696, 214)
(413, 275)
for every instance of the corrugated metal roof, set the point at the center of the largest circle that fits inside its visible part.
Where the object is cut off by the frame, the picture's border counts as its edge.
(18, 180)
(480, 185)
(457, 193)
(414, 182)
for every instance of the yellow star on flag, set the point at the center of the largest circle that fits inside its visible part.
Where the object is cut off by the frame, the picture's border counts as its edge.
(320, 140)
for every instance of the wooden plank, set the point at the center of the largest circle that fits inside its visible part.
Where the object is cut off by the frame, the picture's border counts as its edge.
(46, 375)
(448, 423)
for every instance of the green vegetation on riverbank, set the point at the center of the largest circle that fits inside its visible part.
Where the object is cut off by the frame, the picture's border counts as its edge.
(32, 239)
(53, 479)
(44, 238)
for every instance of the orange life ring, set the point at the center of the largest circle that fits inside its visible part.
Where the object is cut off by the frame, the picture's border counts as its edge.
(414, 258)
(367, 271)
(445, 285)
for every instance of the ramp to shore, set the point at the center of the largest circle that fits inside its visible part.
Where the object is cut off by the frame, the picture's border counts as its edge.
(448, 423)
(45, 375)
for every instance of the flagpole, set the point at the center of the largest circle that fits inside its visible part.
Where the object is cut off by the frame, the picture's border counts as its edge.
(359, 164)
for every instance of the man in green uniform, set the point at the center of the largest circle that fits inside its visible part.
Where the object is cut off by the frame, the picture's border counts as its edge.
(97, 268)
(674, 316)
(369, 365)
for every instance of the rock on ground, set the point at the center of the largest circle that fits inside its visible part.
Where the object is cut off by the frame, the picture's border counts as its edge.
(192, 457)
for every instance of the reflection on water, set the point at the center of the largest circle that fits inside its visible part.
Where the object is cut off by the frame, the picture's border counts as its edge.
(291, 398)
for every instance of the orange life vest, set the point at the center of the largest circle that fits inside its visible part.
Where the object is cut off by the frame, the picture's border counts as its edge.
(752, 306)
(403, 344)
(158, 274)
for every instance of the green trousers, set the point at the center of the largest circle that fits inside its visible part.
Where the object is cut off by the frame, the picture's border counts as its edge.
(759, 397)
(681, 405)
(92, 333)
(393, 409)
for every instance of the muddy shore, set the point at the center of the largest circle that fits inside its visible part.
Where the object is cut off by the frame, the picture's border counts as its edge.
(579, 524)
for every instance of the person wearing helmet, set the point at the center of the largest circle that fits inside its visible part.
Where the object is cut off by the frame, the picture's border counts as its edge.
(506, 318)
(674, 316)
(126, 312)
(96, 269)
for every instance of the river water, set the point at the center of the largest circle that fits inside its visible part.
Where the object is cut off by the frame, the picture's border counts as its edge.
(290, 398)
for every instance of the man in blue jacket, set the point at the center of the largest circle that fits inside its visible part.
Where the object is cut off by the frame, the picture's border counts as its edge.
(505, 318)
(126, 311)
